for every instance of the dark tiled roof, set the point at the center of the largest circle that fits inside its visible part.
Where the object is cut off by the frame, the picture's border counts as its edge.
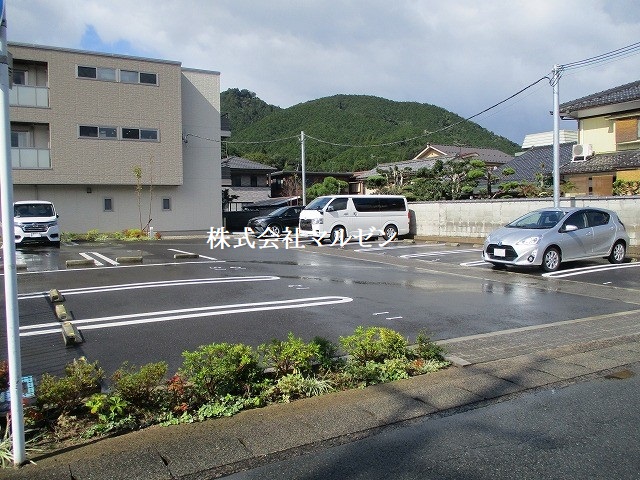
(239, 163)
(621, 94)
(413, 165)
(604, 162)
(535, 161)
(485, 154)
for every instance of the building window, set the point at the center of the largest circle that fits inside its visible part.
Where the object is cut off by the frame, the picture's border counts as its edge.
(166, 204)
(19, 139)
(106, 74)
(236, 180)
(19, 77)
(87, 72)
(116, 75)
(627, 130)
(108, 204)
(148, 78)
(92, 131)
(254, 180)
(148, 134)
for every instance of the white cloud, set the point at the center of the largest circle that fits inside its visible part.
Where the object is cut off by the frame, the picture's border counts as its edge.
(462, 55)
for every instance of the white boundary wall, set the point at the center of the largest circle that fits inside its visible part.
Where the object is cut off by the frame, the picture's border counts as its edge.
(477, 218)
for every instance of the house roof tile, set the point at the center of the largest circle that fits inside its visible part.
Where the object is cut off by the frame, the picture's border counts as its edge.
(612, 96)
(604, 162)
(239, 163)
(535, 161)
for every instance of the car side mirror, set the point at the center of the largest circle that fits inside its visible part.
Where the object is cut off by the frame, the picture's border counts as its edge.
(569, 228)
(330, 208)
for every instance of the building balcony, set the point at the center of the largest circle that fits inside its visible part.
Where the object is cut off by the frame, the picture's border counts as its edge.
(31, 158)
(26, 96)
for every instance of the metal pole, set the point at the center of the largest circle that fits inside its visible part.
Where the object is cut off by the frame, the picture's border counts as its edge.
(304, 170)
(9, 250)
(556, 136)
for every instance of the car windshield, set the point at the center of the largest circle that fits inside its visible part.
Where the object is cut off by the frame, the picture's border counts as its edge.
(542, 219)
(278, 212)
(318, 203)
(33, 210)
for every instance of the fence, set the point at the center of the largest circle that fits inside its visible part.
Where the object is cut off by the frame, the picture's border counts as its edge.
(475, 219)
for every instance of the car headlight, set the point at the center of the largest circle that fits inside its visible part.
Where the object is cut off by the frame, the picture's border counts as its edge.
(529, 241)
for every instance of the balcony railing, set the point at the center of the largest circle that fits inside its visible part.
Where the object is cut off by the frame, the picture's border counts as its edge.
(25, 96)
(31, 158)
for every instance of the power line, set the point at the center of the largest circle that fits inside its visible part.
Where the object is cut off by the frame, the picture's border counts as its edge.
(611, 56)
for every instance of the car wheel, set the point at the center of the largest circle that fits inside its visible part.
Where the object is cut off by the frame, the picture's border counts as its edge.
(275, 229)
(390, 232)
(337, 233)
(618, 253)
(551, 260)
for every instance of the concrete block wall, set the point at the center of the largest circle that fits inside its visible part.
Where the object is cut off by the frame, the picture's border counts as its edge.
(475, 219)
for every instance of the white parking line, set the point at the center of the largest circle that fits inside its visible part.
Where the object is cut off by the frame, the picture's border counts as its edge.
(86, 256)
(166, 283)
(443, 252)
(191, 253)
(181, 314)
(394, 247)
(477, 263)
(103, 257)
(594, 268)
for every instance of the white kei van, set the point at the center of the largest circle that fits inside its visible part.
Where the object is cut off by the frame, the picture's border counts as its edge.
(344, 216)
(35, 221)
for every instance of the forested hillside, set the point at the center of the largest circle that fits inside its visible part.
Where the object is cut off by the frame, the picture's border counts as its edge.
(345, 132)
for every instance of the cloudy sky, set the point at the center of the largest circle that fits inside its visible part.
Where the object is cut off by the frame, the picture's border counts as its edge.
(462, 55)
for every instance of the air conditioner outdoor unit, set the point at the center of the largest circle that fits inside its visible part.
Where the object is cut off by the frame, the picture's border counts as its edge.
(582, 150)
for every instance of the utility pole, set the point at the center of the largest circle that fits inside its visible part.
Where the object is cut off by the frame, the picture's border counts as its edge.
(9, 250)
(304, 169)
(556, 136)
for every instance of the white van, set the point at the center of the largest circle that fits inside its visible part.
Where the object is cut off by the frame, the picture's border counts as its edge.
(35, 221)
(344, 216)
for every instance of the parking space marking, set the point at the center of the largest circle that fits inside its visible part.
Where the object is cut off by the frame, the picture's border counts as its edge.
(165, 283)
(477, 263)
(594, 268)
(85, 255)
(442, 252)
(394, 247)
(191, 253)
(183, 314)
(104, 257)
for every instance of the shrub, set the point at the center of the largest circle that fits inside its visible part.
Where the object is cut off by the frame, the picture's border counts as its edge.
(66, 394)
(220, 369)
(374, 344)
(140, 386)
(427, 349)
(327, 354)
(371, 373)
(92, 235)
(294, 385)
(289, 356)
(111, 411)
(4, 375)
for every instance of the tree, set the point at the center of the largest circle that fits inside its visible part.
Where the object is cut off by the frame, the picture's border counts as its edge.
(329, 186)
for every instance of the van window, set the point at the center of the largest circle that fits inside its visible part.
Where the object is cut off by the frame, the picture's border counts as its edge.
(339, 204)
(392, 204)
(367, 204)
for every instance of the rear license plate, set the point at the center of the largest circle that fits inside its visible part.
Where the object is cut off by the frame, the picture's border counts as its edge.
(499, 252)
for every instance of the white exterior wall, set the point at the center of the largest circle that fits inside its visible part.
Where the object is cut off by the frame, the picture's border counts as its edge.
(475, 219)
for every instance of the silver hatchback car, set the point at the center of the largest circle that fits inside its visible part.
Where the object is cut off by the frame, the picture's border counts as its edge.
(549, 236)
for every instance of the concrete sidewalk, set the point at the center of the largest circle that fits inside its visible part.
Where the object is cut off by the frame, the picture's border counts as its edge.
(498, 366)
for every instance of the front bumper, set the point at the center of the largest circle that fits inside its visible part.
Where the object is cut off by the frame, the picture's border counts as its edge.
(37, 235)
(521, 255)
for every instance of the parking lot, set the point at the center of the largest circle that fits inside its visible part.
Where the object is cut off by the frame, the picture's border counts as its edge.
(150, 301)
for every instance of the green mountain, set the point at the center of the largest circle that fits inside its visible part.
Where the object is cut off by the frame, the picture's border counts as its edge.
(345, 133)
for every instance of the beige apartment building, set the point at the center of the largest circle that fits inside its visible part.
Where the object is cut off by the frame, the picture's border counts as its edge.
(88, 128)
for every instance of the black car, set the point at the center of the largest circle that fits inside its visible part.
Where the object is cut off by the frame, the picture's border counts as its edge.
(277, 221)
